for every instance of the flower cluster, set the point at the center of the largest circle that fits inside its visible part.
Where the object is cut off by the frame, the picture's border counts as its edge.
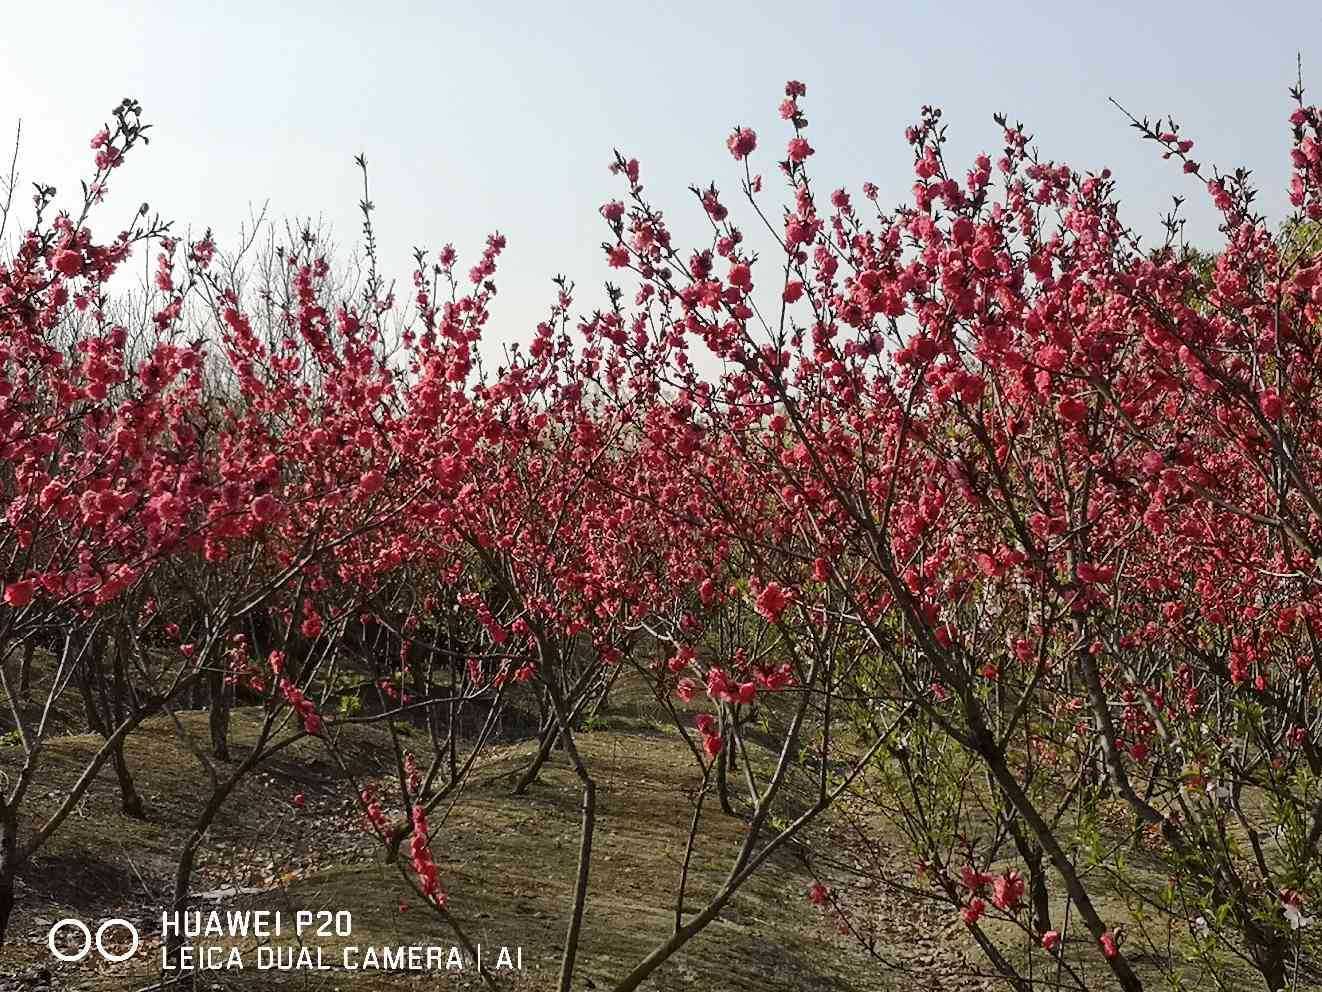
(423, 865)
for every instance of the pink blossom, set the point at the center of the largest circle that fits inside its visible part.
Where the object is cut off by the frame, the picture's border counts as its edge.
(265, 507)
(18, 594)
(799, 149)
(742, 142)
(973, 911)
(67, 262)
(974, 880)
(772, 601)
(1008, 891)
(1072, 409)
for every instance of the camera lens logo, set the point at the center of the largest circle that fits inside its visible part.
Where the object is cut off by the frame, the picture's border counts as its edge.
(100, 940)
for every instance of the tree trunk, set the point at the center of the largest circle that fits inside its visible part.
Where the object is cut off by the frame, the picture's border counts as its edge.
(570, 950)
(1270, 954)
(451, 732)
(1038, 895)
(88, 669)
(549, 736)
(8, 867)
(552, 737)
(220, 716)
(183, 873)
(174, 940)
(25, 671)
(129, 800)
(723, 781)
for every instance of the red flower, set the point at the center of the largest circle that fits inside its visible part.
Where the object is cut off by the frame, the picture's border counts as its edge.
(973, 911)
(265, 507)
(772, 600)
(799, 149)
(371, 482)
(777, 678)
(1050, 941)
(818, 894)
(305, 708)
(974, 880)
(707, 592)
(1008, 891)
(718, 686)
(1100, 574)
(376, 819)
(1072, 409)
(1110, 945)
(67, 262)
(742, 142)
(298, 801)
(18, 594)
(1269, 401)
(424, 866)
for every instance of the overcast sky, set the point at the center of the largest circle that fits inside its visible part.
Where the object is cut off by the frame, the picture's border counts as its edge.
(503, 116)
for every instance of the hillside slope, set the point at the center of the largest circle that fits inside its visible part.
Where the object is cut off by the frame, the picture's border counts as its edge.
(507, 863)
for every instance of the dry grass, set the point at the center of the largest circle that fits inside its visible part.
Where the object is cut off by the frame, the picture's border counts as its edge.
(507, 862)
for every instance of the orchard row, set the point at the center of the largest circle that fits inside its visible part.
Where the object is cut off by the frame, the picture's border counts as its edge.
(1009, 527)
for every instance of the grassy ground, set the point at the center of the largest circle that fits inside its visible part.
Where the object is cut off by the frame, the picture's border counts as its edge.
(508, 864)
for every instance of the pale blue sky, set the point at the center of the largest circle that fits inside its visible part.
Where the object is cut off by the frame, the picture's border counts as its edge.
(504, 115)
